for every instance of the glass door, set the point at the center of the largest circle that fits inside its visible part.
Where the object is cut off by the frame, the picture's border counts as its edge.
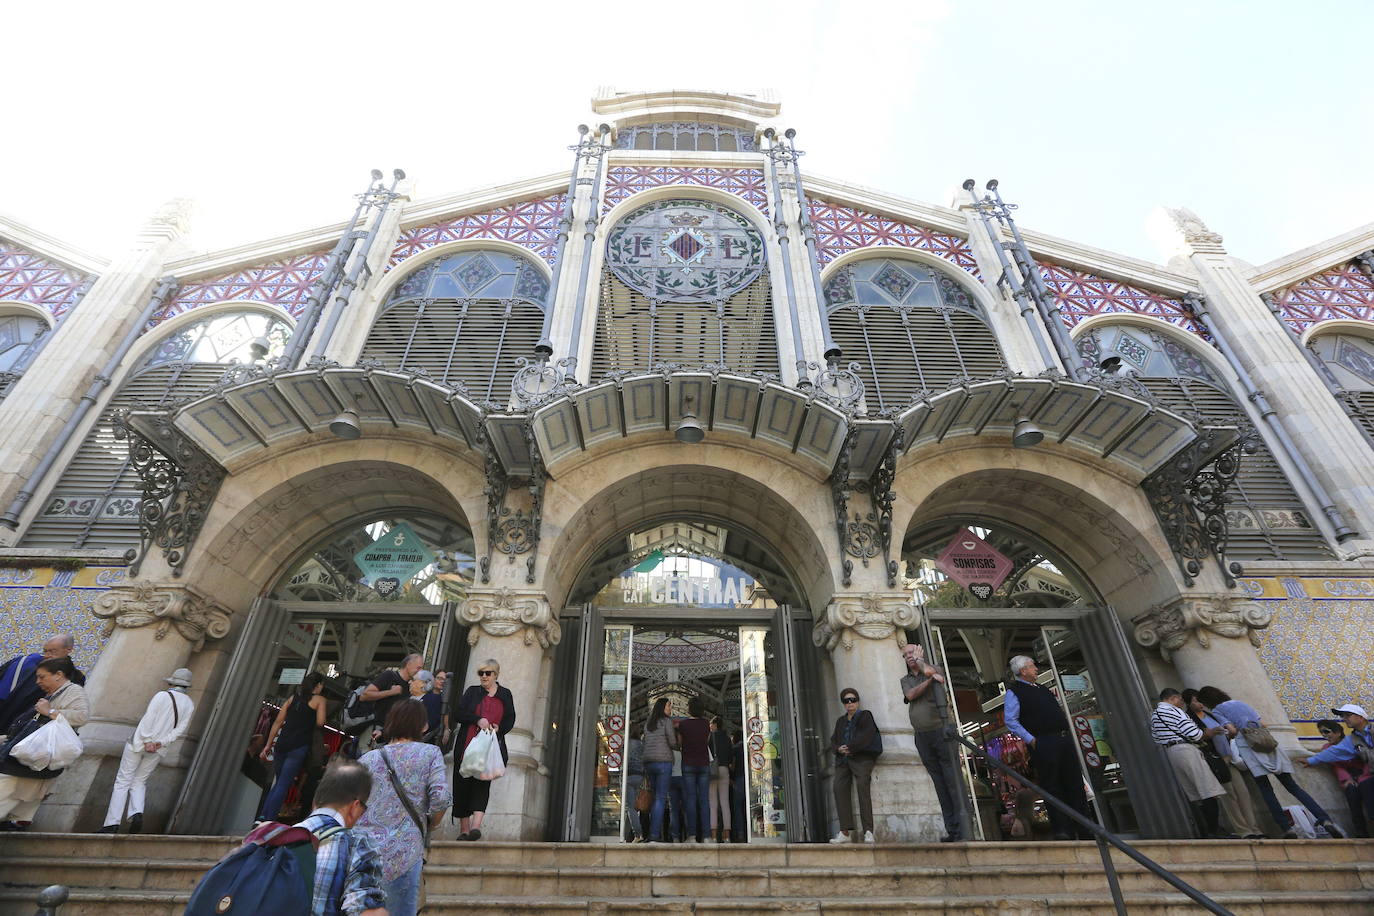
(765, 795)
(611, 734)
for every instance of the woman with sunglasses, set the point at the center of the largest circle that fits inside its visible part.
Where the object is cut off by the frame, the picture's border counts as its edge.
(857, 744)
(485, 706)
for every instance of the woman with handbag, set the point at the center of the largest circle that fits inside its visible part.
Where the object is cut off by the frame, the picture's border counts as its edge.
(1262, 755)
(22, 788)
(295, 730)
(1237, 808)
(857, 744)
(410, 794)
(489, 707)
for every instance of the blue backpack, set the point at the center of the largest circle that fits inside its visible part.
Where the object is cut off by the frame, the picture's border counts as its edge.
(271, 874)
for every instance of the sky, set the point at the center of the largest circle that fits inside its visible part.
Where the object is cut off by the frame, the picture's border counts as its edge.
(1091, 114)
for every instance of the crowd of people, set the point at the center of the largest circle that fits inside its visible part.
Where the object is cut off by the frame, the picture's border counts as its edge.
(389, 786)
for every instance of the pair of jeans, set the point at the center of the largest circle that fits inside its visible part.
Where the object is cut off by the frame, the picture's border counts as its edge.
(933, 749)
(287, 766)
(1276, 810)
(403, 892)
(660, 774)
(696, 789)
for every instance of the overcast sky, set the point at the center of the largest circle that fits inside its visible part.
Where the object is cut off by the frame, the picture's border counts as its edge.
(1254, 114)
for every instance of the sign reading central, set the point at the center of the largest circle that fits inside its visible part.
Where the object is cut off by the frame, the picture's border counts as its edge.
(685, 251)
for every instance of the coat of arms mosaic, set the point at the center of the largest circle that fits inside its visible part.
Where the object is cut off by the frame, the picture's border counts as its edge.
(685, 251)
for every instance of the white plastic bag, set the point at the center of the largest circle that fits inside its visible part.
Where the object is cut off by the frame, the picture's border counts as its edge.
(54, 746)
(496, 766)
(475, 756)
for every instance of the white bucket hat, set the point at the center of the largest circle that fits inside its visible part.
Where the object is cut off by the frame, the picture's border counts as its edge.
(180, 678)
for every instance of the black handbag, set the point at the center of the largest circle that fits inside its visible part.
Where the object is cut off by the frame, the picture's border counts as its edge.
(1219, 767)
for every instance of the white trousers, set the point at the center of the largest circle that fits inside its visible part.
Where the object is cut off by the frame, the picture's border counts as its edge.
(20, 797)
(131, 783)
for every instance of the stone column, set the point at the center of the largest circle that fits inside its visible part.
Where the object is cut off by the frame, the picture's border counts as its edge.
(864, 633)
(153, 629)
(1212, 640)
(1331, 445)
(517, 628)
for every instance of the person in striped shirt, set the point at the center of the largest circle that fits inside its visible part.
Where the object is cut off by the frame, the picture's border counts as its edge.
(1173, 730)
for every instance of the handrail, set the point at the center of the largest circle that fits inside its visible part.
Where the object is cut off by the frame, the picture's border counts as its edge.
(1102, 835)
(49, 899)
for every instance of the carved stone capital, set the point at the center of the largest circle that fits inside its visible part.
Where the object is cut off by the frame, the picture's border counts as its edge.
(180, 607)
(875, 615)
(509, 612)
(1169, 626)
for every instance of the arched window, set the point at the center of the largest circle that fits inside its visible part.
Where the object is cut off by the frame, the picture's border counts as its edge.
(685, 282)
(95, 503)
(686, 135)
(464, 319)
(909, 328)
(1267, 520)
(1351, 360)
(16, 333)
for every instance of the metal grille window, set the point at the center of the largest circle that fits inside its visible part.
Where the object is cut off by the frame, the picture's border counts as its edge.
(1351, 361)
(95, 502)
(17, 332)
(464, 320)
(1267, 519)
(909, 328)
(686, 135)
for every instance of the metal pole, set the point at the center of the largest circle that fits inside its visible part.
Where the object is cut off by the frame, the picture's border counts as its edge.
(544, 348)
(1323, 371)
(50, 898)
(1198, 306)
(594, 149)
(775, 151)
(833, 353)
(310, 316)
(1048, 305)
(163, 291)
(1018, 291)
(350, 282)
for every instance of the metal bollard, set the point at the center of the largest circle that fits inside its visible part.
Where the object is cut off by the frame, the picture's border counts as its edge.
(49, 899)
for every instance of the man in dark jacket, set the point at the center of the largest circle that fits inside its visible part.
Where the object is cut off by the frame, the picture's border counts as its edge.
(1033, 713)
(18, 688)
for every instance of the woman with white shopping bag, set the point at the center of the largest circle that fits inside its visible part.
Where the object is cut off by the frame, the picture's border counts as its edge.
(485, 714)
(43, 743)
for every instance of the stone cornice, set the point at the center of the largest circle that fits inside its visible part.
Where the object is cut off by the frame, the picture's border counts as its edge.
(1170, 626)
(51, 247)
(1303, 263)
(873, 615)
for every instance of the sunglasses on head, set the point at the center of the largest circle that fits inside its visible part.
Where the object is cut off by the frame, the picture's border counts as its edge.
(486, 674)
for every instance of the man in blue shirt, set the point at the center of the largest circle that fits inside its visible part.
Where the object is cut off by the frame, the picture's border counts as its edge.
(1358, 745)
(1033, 713)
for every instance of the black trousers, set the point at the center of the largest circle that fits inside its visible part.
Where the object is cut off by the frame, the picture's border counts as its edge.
(470, 795)
(944, 773)
(1056, 768)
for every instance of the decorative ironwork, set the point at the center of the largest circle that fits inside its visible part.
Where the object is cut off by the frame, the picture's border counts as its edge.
(839, 492)
(513, 532)
(285, 283)
(842, 387)
(179, 484)
(1189, 497)
(685, 251)
(26, 276)
(532, 224)
(839, 229)
(880, 490)
(624, 181)
(538, 381)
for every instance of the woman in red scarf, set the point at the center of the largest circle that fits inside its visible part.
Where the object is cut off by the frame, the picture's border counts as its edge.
(485, 706)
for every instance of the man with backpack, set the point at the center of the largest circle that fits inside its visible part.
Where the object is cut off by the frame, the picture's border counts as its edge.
(319, 867)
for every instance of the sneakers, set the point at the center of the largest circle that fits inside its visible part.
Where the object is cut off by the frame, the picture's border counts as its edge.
(1332, 829)
(868, 836)
(841, 837)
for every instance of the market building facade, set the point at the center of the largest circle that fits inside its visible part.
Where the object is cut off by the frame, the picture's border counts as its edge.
(689, 422)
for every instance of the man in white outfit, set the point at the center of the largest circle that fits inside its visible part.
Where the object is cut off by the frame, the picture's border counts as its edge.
(168, 714)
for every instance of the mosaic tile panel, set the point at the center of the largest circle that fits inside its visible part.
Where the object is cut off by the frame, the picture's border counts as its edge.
(285, 283)
(532, 224)
(1317, 649)
(1082, 295)
(29, 277)
(623, 181)
(1343, 292)
(35, 603)
(840, 229)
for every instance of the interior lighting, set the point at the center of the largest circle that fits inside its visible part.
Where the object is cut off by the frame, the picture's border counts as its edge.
(345, 425)
(689, 431)
(1026, 434)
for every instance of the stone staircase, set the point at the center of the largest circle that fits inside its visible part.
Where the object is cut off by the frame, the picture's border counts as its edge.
(153, 876)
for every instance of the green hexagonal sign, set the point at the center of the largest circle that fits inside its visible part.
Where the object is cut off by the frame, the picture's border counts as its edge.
(390, 561)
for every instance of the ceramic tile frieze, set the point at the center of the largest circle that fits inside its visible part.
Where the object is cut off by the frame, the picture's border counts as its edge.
(624, 181)
(840, 229)
(35, 603)
(285, 282)
(532, 224)
(1081, 295)
(26, 276)
(1342, 292)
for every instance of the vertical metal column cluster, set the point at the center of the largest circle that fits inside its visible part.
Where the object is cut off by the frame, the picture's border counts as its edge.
(1198, 307)
(593, 148)
(779, 152)
(1026, 284)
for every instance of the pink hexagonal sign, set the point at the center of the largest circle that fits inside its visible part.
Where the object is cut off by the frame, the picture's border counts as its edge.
(975, 564)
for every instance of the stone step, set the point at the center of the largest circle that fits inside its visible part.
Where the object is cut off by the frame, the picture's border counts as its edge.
(759, 882)
(16, 902)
